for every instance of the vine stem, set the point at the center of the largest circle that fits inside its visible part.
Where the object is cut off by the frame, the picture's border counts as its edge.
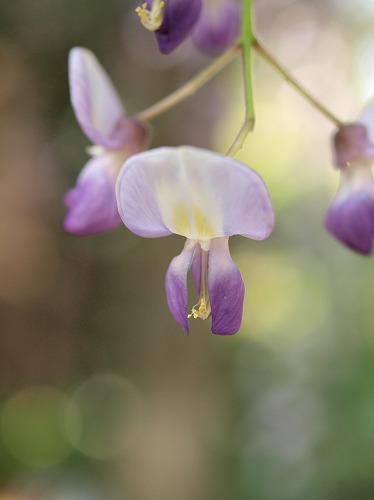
(189, 88)
(246, 42)
(299, 88)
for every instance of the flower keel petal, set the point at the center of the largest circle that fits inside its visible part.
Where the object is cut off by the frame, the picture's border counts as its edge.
(176, 285)
(226, 289)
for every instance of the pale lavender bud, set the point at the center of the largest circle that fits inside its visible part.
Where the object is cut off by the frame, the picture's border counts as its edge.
(352, 144)
(218, 26)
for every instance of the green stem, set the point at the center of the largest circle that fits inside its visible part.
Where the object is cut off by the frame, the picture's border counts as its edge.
(247, 38)
(246, 41)
(190, 87)
(273, 62)
(237, 145)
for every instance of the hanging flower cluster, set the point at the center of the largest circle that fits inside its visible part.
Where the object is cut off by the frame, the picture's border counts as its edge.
(206, 198)
(199, 194)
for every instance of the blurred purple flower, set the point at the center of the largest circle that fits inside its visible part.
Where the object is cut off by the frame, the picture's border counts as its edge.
(92, 206)
(350, 217)
(218, 26)
(205, 197)
(171, 20)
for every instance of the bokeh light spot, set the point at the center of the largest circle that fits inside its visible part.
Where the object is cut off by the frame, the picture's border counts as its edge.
(105, 416)
(32, 427)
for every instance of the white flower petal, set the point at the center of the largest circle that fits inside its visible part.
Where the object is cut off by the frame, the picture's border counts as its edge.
(96, 103)
(192, 192)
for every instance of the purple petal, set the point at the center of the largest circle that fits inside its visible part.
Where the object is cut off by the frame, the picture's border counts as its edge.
(92, 205)
(193, 192)
(180, 16)
(96, 103)
(226, 289)
(352, 144)
(176, 285)
(352, 220)
(218, 27)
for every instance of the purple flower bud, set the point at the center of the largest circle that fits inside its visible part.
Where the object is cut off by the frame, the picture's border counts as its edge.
(218, 26)
(350, 217)
(171, 20)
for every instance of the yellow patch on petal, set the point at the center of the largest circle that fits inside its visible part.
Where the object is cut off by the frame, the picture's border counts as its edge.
(182, 220)
(192, 225)
(203, 228)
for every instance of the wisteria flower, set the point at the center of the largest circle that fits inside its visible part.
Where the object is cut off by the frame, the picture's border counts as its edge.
(218, 26)
(205, 197)
(171, 20)
(92, 205)
(350, 217)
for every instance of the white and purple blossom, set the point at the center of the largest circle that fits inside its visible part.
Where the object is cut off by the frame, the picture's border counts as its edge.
(92, 206)
(218, 26)
(171, 20)
(205, 197)
(350, 217)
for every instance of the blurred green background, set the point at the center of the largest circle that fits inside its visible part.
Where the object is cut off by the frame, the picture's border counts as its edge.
(103, 397)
